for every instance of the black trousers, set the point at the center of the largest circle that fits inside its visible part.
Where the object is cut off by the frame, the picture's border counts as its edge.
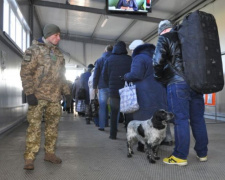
(114, 106)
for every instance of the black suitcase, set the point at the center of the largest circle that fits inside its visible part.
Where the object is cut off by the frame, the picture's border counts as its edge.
(201, 52)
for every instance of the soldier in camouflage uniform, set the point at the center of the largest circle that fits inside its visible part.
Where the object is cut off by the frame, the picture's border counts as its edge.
(44, 83)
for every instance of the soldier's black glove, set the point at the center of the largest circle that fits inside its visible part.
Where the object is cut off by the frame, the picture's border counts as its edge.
(68, 101)
(32, 100)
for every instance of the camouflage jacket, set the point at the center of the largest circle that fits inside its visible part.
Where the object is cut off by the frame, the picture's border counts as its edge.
(43, 72)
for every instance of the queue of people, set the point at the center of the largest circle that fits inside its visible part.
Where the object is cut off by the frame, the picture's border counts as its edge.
(157, 86)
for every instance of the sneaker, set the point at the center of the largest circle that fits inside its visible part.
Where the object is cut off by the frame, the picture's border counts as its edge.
(202, 159)
(174, 160)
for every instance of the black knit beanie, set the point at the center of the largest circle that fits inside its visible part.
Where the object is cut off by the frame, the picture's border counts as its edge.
(50, 29)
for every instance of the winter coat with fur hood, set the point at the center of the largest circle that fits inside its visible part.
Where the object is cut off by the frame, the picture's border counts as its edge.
(151, 94)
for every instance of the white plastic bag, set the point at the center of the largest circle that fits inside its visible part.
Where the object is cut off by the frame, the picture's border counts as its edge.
(80, 106)
(128, 98)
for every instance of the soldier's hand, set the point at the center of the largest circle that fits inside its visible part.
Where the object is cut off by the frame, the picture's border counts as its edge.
(32, 100)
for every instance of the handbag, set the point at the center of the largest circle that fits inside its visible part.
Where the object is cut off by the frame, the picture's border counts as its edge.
(81, 93)
(80, 106)
(128, 98)
(94, 106)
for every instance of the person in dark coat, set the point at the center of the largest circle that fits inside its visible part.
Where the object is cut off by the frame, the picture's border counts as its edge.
(70, 109)
(84, 84)
(115, 67)
(98, 82)
(151, 94)
(75, 89)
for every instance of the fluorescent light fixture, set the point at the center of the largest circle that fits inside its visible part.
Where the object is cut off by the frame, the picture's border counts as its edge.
(105, 21)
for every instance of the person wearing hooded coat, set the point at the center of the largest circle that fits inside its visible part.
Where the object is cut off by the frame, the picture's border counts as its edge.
(151, 94)
(114, 68)
(84, 84)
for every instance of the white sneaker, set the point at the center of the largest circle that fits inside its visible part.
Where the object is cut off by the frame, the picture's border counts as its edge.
(202, 159)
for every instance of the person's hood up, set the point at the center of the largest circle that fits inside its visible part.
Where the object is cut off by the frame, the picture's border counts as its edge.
(119, 48)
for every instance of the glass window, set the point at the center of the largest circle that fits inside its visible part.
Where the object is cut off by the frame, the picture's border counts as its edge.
(24, 40)
(15, 25)
(6, 17)
(18, 33)
(12, 25)
(28, 40)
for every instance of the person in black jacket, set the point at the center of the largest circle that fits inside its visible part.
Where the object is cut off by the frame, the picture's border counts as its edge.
(183, 102)
(115, 67)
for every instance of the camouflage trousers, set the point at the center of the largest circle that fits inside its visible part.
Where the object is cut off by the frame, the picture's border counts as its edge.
(52, 113)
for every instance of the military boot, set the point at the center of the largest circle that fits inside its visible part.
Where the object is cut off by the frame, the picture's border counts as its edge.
(29, 164)
(52, 158)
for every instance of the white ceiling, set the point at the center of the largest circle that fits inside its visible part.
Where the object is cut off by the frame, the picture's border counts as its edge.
(83, 38)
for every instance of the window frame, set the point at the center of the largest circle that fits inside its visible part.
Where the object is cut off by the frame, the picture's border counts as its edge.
(11, 31)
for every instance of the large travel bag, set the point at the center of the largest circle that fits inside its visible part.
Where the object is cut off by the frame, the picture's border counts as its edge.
(201, 52)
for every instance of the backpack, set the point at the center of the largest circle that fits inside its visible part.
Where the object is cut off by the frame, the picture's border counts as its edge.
(81, 94)
(199, 39)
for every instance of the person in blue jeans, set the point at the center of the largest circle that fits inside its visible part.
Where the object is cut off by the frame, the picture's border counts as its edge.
(186, 104)
(102, 87)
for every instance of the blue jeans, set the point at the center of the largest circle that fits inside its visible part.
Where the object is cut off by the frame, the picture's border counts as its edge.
(96, 121)
(103, 108)
(187, 104)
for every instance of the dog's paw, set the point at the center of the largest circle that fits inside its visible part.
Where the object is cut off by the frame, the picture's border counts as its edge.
(152, 161)
(132, 152)
(157, 158)
(129, 155)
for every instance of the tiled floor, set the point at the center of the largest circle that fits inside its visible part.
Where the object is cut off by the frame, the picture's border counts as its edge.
(89, 154)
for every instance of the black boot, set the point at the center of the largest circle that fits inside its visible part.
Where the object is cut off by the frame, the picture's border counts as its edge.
(88, 120)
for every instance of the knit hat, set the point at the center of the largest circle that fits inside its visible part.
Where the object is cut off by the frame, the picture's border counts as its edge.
(135, 44)
(165, 24)
(50, 29)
